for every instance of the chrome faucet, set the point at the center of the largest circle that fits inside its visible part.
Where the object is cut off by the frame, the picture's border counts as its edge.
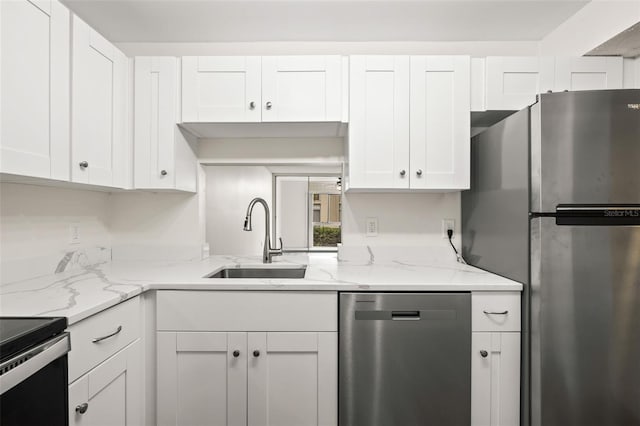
(268, 251)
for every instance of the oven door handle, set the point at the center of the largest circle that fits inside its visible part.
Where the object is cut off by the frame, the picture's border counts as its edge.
(25, 364)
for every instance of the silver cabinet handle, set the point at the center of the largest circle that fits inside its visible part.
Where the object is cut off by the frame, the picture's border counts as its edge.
(252, 105)
(84, 164)
(403, 172)
(100, 339)
(269, 105)
(82, 408)
(484, 354)
(419, 172)
(163, 172)
(496, 313)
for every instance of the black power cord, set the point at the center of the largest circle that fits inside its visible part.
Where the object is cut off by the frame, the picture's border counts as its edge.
(458, 257)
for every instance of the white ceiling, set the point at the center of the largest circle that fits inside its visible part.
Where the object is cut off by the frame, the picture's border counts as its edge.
(323, 20)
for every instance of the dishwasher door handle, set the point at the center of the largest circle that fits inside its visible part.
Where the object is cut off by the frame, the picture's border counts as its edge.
(405, 315)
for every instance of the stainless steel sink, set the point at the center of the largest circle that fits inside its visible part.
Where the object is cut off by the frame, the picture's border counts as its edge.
(276, 273)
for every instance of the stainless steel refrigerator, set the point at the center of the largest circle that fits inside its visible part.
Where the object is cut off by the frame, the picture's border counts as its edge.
(555, 204)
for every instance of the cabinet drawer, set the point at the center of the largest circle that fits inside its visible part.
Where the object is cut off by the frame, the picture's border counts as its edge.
(85, 353)
(495, 311)
(247, 311)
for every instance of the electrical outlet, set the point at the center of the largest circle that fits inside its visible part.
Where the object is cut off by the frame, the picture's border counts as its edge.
(446, 225)
(74, 233)
(372, 227)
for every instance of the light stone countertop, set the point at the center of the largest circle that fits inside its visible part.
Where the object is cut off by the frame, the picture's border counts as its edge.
(82, 292)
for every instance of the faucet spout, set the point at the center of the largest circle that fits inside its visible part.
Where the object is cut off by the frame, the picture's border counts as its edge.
(267, 251)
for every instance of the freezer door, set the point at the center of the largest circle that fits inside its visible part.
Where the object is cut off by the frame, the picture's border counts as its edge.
(585, 148)
(585, 324)
(405, 359)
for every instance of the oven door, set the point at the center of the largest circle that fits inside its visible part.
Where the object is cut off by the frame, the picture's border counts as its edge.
(33, 386)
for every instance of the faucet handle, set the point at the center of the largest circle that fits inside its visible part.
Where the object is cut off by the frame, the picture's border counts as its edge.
(277, 251)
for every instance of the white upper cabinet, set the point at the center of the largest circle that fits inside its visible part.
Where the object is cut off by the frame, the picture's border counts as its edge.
(99, 110)
(409, 122)
(513, 82)
(301, 88)
(164, 157)
(379, 122)
(245, 89)
(588, 73)
(34, 119)
(440, 122)
(223, 89)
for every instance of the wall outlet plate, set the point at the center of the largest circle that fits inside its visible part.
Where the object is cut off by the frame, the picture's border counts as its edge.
(446, 225)
(74, 233)
(372, 227)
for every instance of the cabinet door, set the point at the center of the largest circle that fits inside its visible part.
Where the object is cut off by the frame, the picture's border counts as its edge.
(221, 89)
(588, 73)
(440, 122)
(111, 393)
(156, 89)
(200, 381)
(495, 379)
(34, 124)
(301, 88)
(379, 122)
(292, 379)
(514, 82)
(98, 110)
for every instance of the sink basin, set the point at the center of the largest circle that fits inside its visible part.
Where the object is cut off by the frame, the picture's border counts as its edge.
(260, 273)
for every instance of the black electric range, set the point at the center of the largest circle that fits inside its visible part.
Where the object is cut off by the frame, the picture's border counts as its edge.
(20, 333)
(33, 371)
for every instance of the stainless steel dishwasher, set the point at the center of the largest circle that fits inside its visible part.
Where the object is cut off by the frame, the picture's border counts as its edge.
(405, 359)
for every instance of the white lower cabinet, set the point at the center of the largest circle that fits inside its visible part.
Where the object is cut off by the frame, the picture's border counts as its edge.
(495, 359)
(495, 379)
(261, 378)
(111, 393)
(258, 376)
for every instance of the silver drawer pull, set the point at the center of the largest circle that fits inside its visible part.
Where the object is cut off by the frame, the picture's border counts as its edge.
(496, 313)
(99, 339)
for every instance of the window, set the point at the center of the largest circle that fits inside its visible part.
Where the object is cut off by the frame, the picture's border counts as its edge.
(308, 213)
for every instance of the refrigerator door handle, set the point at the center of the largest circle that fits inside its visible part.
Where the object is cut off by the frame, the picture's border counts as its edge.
(496, 313)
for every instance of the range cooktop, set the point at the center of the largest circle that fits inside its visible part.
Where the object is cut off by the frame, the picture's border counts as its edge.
(20, 333)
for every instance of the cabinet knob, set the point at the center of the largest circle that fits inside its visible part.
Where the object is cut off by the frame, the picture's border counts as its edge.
(163, 172)
(252, 105)
(269, 105)
(236, 353)
(403, 172)
(484, 354)
(256, 353)
(84, 164)
(419, 172)
(82, 408)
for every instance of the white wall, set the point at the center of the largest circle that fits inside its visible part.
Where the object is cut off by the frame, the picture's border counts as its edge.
(229, 191)
(157, 226)
(35, 235)
(404, 219)
(474, 48)
(591, 26)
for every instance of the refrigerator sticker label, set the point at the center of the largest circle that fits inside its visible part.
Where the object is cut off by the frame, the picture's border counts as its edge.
(633, 106)
(622, 213)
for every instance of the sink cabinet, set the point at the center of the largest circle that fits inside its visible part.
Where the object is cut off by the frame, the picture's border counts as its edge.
(247, 358)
